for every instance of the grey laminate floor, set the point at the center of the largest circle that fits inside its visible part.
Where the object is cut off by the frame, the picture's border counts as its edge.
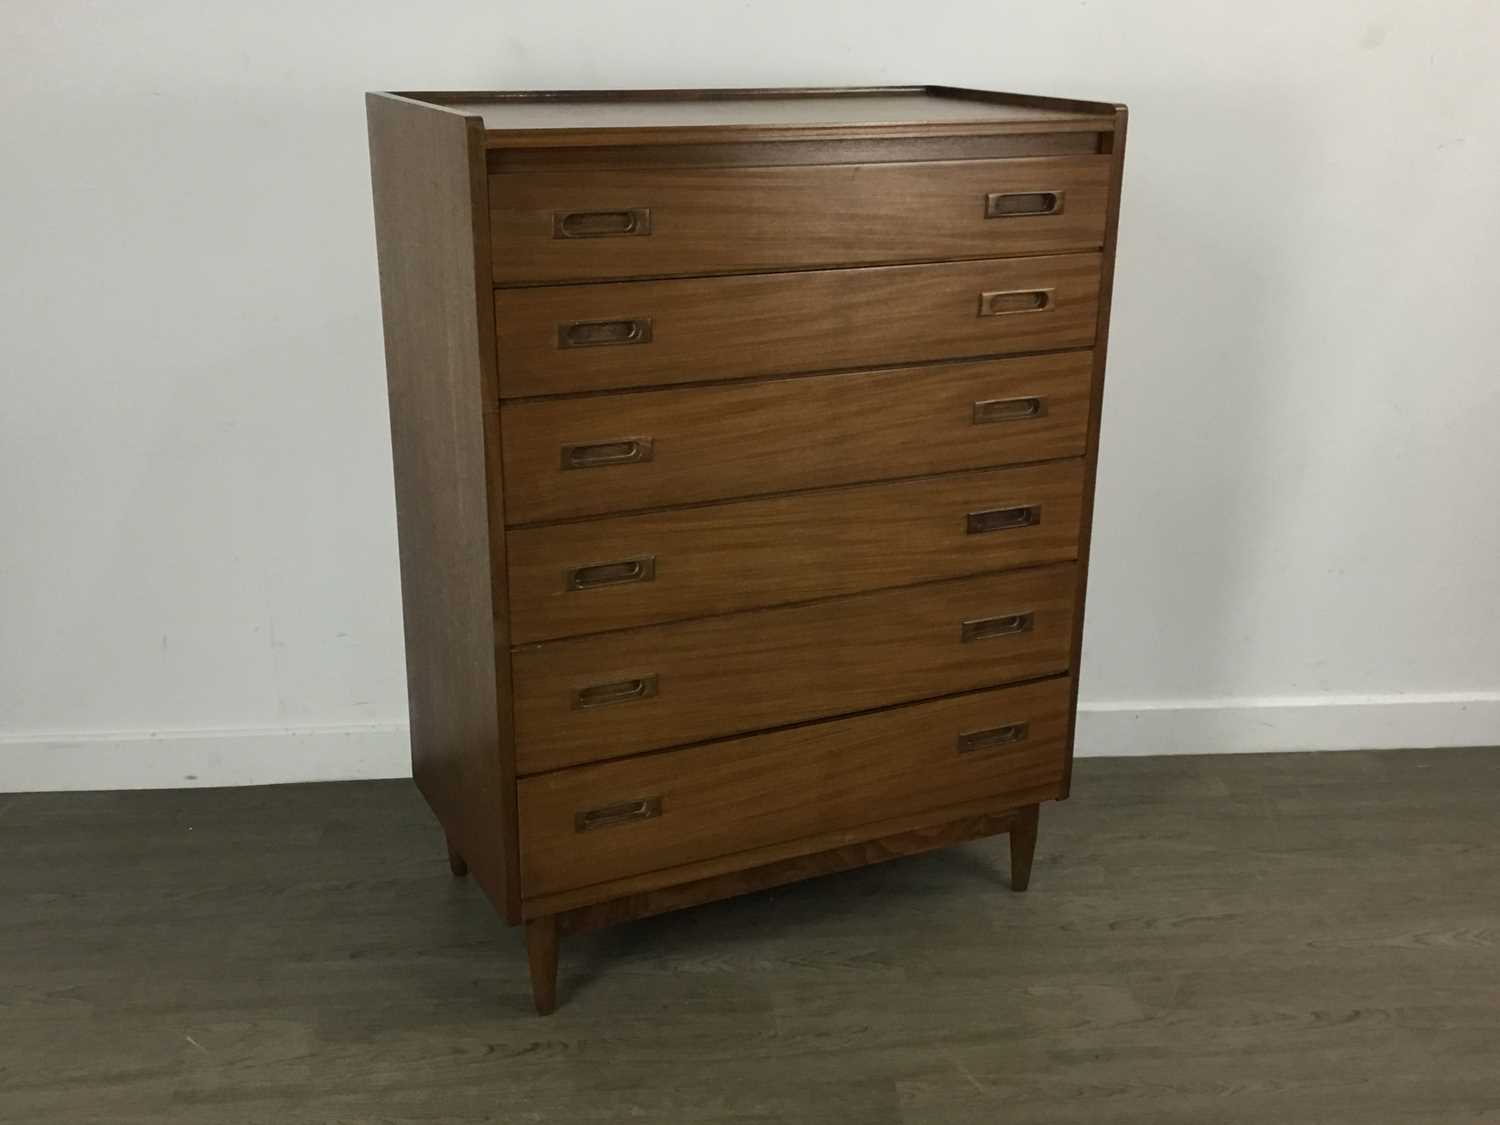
(1299, 938)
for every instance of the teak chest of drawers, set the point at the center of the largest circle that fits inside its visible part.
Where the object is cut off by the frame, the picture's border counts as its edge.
(744, 445)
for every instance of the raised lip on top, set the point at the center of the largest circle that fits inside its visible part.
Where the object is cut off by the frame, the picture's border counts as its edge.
(1053, 115)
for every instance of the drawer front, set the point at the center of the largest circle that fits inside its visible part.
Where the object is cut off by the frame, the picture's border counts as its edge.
(613, 573)
(640, 222)
(608, 821)
(592, 698)
(611, 453)
(566, 338)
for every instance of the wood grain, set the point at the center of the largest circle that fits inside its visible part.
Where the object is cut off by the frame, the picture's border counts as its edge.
(725, 557)
(722, 441)
(1096, 405)
(779, 323)
(742, 672)
(430, 214)
(758, 153)
(541, 956)
(1023, 847)
(726, 220)
(746, 793)
(781, 872)
(724, 868)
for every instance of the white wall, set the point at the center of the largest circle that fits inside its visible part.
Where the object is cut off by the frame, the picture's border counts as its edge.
(1297, 534)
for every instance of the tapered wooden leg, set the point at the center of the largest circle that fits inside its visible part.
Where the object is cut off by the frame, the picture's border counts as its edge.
(541, 951)
(456, 862)
(1022, 846)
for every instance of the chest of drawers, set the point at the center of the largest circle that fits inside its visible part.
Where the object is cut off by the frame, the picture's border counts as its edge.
(744, 446)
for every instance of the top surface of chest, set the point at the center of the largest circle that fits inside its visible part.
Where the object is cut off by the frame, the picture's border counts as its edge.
(687, 116)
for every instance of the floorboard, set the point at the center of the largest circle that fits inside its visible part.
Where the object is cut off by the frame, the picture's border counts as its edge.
(1261, 938)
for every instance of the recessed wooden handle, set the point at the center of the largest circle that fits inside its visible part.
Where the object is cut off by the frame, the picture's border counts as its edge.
(994, 737)
(1003, 519)
(1021, 204)
(1009, 409)
(601, 454)
(625, 812)
(597, 333)
(1009, 302)
(641, 569)
(983, 628)
(621, 691)
(624, 223)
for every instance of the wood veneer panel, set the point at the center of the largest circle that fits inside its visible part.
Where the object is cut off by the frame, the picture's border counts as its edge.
(762, 153)
(587, 699)
(741, 439)
(724, 869)
(951, 828)
(696, 329)
(1096, 410)
(725, 220)
(725, 557)
(430, 215)
(746, 793)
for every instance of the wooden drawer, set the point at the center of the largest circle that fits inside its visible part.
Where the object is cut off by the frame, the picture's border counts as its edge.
(607, 821)
(591, 698)
(621, 571)
(639, 222)
(574, 457)
(566, 338)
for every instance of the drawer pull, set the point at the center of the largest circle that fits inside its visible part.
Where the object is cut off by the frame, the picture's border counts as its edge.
(601, 224)
(1009, 302)
(642, 569)
(623, 813)
(995, 737)
(983, 628)
(596, 333)
(606, 695)
(1004, 519)
(600, 454)
(1009, 409)
(1019, 204)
